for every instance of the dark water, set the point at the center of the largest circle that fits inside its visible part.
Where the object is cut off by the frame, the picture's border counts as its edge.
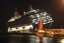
(19, 38)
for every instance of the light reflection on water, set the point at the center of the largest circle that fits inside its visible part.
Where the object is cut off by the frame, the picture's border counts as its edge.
(29, 39)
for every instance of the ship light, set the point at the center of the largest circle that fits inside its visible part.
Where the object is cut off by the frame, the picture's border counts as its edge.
(41, 31)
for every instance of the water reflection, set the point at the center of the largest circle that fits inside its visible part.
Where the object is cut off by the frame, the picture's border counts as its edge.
(47, 40)
(29, 39)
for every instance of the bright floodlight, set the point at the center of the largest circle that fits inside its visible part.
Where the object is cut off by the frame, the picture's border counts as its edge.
(62, 41)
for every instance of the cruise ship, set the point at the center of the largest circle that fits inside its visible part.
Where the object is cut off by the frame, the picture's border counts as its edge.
(28, 22)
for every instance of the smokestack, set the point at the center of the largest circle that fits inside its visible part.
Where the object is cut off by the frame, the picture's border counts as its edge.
(16, 12)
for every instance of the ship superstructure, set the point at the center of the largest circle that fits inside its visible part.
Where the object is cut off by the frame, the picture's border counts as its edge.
(16, 16)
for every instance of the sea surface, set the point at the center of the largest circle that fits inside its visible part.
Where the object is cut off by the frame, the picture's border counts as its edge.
(20, 38)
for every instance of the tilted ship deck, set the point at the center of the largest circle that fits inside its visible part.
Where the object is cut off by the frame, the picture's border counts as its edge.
(29, 20)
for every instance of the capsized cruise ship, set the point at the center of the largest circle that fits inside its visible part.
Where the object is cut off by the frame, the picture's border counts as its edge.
(27, 22)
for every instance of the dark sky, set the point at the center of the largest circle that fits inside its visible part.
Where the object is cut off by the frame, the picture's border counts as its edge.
(55, 7)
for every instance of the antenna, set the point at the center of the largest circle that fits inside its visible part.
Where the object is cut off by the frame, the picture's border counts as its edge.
(30, 7)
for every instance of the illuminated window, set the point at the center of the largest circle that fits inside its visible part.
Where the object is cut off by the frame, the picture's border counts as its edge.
(42, 15)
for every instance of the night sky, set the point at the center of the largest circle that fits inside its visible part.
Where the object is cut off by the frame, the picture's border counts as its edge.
(54, 7)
